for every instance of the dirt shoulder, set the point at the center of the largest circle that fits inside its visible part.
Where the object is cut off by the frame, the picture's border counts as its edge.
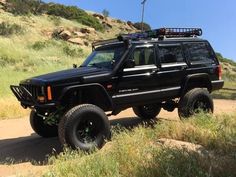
(27, 152)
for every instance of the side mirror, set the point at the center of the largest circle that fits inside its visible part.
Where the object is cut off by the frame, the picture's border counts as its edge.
(130, 63)
(75, 66)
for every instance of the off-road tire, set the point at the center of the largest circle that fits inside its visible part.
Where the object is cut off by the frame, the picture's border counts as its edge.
(195, 100)
(147, 111)
(84, 127)
(38, 125)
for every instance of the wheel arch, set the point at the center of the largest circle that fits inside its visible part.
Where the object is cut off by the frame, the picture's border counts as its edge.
(89, 93)
(200, 80)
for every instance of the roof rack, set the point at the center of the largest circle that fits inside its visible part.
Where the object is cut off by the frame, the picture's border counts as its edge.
(162, 33)
(156, 33)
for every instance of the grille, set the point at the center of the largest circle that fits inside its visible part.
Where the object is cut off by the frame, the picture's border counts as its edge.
(34, 90)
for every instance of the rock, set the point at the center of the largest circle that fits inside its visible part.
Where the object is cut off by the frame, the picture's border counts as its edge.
(130, 24)
(99, 16)
(65, 35)
(86, 43)
(3, 2)
(119, 21)
(107, 25)
(79, 34)
(87, 30)
(47, 33)
(77, 41)
(181, 145)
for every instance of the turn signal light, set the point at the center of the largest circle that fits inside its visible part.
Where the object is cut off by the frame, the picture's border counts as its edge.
(49, 93)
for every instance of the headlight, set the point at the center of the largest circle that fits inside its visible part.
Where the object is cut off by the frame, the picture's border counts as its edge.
(41, 95)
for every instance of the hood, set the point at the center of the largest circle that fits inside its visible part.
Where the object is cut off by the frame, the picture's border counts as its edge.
(70, 75)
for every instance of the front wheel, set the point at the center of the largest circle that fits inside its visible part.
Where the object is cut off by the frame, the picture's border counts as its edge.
(195, 100)
(40, 127)
(150, 111)
(84, 127)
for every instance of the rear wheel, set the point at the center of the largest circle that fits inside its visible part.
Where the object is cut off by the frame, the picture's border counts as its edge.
(150, 111)
(194, 101)
(40, 127)
(84, 127)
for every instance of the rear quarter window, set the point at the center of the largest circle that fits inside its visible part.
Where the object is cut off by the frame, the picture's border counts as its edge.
(199, 53)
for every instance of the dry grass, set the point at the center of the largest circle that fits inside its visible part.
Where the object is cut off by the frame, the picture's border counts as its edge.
(137, 153)
(10, 108)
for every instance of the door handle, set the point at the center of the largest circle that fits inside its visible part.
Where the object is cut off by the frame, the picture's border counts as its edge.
(184, 67)
(154, 71)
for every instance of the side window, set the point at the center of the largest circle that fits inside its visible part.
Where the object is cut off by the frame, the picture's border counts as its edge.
(169, 54)
(199, 52)
(144, 56)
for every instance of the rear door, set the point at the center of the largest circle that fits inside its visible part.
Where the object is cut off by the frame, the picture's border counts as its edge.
(173, 65)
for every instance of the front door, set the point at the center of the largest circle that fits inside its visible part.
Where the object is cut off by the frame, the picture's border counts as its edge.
(135, 84)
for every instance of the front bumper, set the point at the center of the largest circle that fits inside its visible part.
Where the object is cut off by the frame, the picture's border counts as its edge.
(26, 98)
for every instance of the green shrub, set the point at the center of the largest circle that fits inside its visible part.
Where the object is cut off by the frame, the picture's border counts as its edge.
(7, 29)
(37, 7)
(73, 52)
(146, 26)
(74, 13)
(24, 7)
(39, 45)
(105, 13)
(225, 60)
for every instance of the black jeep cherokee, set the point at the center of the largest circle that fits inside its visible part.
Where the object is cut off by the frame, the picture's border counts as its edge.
(165, 68)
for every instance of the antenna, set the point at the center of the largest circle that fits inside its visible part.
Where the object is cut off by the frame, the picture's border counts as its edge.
(143, 3)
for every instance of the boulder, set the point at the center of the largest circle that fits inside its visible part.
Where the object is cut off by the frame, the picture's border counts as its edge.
(182, 145)
(79, 34)
(87, 30)
(106, 24)
(86, 43)
(65, 35)
(130, 24)
(3, 2)
(99, 16)
(77, 41)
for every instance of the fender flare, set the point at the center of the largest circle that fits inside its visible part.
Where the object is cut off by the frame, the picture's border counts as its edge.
(204, 77)
(98, 87)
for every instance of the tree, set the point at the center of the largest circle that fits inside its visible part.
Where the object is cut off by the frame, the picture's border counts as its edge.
(146, 26)
(105, 13)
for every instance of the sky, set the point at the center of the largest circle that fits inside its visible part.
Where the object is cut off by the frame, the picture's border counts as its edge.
(217, 18)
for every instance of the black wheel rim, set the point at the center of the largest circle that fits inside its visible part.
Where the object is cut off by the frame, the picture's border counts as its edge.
(149, 109)
(88, 129)
(201, 104)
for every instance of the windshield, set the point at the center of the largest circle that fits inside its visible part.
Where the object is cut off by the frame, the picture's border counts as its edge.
(104, 58)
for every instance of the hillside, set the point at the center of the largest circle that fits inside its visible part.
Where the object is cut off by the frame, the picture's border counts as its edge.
(36, 44)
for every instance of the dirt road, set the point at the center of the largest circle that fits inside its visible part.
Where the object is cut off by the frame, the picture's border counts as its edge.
(20, 146)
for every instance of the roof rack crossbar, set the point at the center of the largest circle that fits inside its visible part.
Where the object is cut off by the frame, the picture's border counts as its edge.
(103, 42)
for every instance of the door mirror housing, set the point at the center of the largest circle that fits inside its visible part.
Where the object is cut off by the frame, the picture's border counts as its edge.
(130, 63)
